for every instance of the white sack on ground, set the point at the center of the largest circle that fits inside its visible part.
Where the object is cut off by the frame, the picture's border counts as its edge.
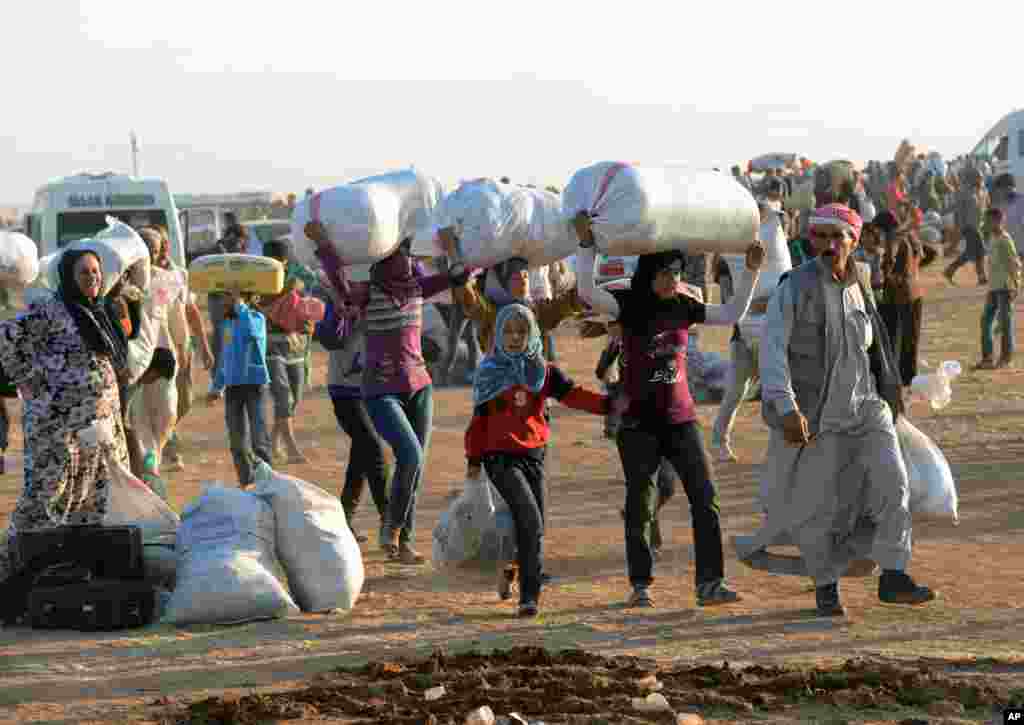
(639, 211)
(318, 551)
(19, 260)
(495, 222)
(932, 489)
(225, 548)
(367, 219)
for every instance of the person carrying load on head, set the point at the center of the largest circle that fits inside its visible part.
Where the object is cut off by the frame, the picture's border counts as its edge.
(396, 387)
(660, 419)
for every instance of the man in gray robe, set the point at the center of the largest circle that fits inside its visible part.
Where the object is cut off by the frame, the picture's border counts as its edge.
(834, 482)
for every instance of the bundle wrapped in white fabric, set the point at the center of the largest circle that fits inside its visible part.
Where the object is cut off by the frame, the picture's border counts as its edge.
(367, 219)
(319, 553)
(640, 211)
(495, 222)
(225, 548)
(119, 248)
(932, 489)
(19, 260)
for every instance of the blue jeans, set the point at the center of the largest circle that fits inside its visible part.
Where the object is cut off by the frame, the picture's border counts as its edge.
(247, 429)
(404, 420)
(998, 302)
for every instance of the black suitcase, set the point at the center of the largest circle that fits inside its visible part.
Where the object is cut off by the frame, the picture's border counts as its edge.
(109, 552)
(91, 605)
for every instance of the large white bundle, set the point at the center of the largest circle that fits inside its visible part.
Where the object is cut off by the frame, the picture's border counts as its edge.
(496, 222)
(225, 548)
(119, 248)
(639, 211)
(317, 549)
(19, 259)
(932, 489)
(367, 219)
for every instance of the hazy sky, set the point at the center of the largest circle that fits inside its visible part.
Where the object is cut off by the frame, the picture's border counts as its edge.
(229, 96)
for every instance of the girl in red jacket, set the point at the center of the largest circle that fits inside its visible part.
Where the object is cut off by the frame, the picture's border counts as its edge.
(508, 433)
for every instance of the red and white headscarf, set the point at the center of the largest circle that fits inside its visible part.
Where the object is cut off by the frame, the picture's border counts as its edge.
(837, 215)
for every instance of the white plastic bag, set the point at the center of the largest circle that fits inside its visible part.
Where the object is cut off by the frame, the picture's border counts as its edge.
(932, 489)
(639, 211)
(225, 548)
(367, 219)
(19, 259)
(319, 554)
(935, 387)
(132, 503)
(469, 530)
(495, 222)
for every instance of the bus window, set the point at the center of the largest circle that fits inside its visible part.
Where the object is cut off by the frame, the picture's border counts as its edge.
(82, 224)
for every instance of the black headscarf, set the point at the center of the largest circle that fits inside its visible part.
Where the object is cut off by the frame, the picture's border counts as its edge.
(639, 305)
(101, 335)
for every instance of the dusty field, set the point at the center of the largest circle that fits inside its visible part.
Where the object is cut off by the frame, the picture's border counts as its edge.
(974, 631)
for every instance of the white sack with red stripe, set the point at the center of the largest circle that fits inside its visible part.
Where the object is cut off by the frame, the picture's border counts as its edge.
(367, 219)
(644, 210)
(495, 222)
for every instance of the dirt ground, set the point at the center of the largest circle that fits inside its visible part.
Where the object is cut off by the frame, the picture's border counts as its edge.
(970, 638)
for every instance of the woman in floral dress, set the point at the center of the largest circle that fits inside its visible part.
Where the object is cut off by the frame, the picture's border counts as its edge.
(64, 355)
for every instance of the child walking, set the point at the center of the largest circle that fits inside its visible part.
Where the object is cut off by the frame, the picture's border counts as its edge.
(241, 378)
(509, 432)
(1004, 282)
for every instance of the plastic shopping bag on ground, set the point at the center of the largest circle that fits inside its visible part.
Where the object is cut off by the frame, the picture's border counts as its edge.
(225, 548)
(468, 531)
(932, 489)
(935, 387)
(321, 557)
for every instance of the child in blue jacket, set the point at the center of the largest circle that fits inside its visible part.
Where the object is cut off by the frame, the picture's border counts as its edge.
(241, 378)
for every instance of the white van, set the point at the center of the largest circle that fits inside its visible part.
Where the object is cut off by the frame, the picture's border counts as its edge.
(77, 206)
(1003, 147)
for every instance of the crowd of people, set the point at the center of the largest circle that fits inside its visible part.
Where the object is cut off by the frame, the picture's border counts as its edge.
(833, 343)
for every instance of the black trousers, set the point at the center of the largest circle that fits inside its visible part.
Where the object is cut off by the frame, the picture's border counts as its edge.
(642, 450)
(520, 481)
(903, 321)
(366, 462)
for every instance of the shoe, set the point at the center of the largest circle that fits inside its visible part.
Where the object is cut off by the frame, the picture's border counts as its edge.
(405, 554)
(827, 600)
(1005, 362)
(528, 609)
(985, 364)
(640, 599)
(715, 592)
(506, 582)
(897, 587)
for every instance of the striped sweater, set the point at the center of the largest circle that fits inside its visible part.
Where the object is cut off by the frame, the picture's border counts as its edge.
(394, 357)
